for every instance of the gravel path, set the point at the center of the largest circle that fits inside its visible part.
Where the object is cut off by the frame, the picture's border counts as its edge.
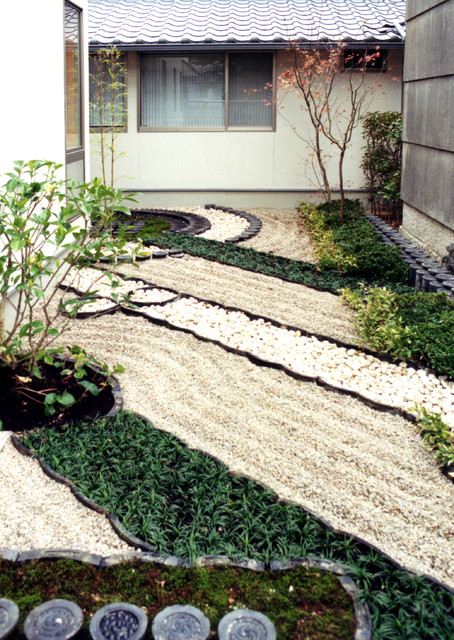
(366, 472)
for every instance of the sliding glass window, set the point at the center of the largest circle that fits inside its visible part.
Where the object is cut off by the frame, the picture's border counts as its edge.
(206, 91)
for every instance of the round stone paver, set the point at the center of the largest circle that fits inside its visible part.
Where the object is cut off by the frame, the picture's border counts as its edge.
(180, 622)
(244, 623)
(54, 620)
(119, 621)
(9, 617)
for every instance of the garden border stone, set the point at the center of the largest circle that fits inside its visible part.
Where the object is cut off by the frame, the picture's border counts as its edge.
(9, 617)
(424, 263)
(195, 224)
(255, 224)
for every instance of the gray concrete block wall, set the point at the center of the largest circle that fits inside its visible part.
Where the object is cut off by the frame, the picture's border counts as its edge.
(428, 135)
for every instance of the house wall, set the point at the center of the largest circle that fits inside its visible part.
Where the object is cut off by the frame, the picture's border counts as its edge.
(428, 149)
(32, 109)
(240, 168)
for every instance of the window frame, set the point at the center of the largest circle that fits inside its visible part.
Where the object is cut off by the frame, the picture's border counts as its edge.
(119, 128)
(76, 153)
(226, 127)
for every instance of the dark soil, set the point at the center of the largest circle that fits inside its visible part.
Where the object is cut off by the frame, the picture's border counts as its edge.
(22, 398)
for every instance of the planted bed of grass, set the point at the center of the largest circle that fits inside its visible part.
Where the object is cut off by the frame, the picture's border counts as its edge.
(185, 503)
(301, 602)
(268, 264)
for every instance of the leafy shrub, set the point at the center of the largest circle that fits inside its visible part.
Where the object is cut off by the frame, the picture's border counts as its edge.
(382, 156)
(45, 230)
(352, 246)
(411, 326)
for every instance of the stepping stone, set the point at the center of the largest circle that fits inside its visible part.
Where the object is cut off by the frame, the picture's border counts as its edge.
(9, 617)
(54, 620)
(119, 621)
(245, 623)
(159, 254)
(181, 622)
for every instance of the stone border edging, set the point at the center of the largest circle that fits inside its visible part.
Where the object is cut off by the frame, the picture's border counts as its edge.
(420, 263)
(363, 629)
(255, 224)
(195, 224)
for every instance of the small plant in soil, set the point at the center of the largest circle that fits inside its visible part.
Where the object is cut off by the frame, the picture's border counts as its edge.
(45, 231)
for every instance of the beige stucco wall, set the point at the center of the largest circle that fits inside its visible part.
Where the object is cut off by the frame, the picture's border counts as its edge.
(267, 167)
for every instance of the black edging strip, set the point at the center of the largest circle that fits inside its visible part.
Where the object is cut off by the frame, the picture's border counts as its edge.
(150, 554)
(363, 629)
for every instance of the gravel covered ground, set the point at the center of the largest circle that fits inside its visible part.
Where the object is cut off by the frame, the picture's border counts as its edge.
(365, 471)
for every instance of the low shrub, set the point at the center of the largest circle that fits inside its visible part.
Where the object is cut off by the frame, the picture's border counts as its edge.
(410, 326)
(186, 503)
(352, 246)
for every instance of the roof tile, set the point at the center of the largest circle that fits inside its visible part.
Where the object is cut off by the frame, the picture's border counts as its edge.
(148, 22)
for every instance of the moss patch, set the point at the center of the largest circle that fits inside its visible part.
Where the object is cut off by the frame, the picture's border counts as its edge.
(301, 602)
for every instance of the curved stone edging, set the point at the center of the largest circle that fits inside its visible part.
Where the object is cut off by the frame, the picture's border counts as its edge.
(195, 224)
(255, 224)
(363, 629)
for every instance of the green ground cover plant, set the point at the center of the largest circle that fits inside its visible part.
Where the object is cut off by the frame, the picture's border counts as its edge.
(352, 246)
(311, 275)
(183, 502)
(410, 326)
(298, 601)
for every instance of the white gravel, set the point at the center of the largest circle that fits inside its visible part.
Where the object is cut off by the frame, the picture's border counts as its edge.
(365, 471)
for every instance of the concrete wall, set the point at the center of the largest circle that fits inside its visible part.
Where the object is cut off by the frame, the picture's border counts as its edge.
(243, 168)
(428, 151)
(32, 108)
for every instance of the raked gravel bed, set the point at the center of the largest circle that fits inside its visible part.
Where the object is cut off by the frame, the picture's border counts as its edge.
(366, 472)
(395, 385)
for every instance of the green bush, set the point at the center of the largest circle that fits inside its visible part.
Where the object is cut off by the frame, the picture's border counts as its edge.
(411, 326)
(352, 246)
(382, 155)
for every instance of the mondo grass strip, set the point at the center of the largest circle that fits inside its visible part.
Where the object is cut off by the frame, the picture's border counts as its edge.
(249, 259)
(186, 503)
(303, 599)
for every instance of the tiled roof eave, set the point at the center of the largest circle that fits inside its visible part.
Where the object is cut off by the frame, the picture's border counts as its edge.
(394, 43)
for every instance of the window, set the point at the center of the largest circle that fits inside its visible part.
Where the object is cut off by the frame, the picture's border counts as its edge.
(73, 94)
(375, 59)
(213, 90)
(107, 89)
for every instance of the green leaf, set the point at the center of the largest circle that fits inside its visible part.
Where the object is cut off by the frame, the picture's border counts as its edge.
(66, 399)
(89, 386)
(51, 398)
